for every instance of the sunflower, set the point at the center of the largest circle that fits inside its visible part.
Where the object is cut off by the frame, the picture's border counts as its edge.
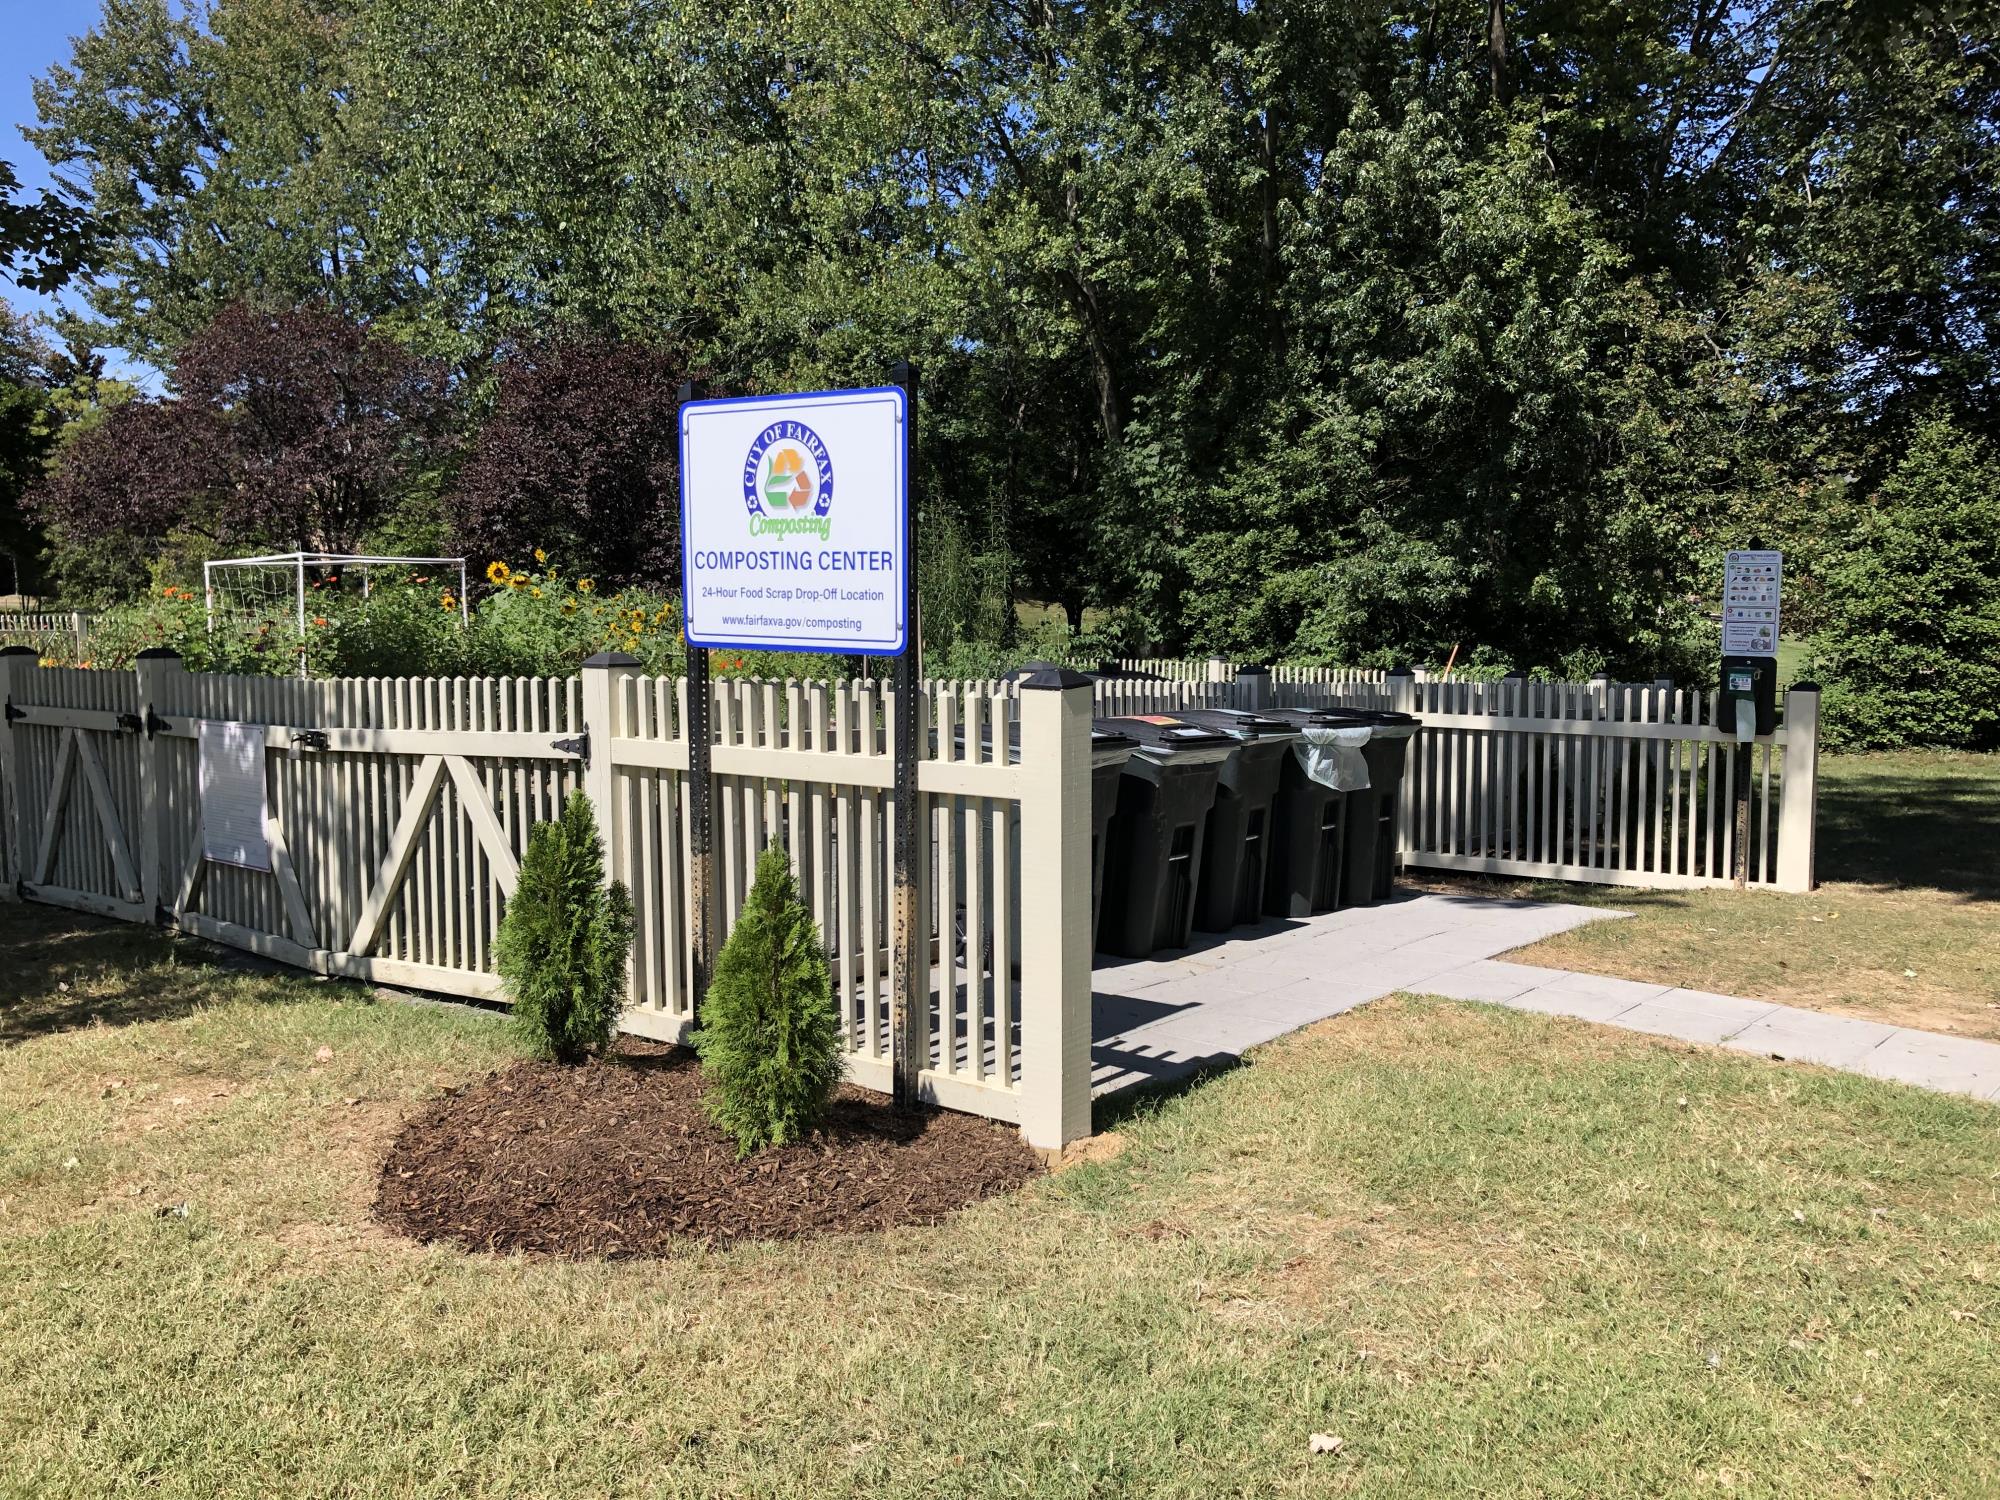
(498, 572)
(584, 585)
(541, 556)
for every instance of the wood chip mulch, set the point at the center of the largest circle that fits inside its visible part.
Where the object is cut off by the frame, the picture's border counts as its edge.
(618, 1158)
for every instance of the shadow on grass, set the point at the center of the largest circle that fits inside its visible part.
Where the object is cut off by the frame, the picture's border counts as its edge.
(1893, 825)
(1112, 1110)
(62, 970)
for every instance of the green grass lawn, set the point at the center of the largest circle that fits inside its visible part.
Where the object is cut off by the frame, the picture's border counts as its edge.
(1905, 926)
(1496, 1254)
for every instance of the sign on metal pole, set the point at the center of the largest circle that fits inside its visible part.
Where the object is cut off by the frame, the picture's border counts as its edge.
(1750, 588)
(795, 522)
(795, 536)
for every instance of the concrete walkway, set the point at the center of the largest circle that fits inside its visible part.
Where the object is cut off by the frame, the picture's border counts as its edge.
(1951, 1065)
(1164, 1018)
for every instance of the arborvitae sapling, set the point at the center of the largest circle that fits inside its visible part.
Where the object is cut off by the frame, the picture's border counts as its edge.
(769, 1038)
(563, 944)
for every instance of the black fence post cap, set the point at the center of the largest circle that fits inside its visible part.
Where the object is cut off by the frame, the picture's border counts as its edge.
(19, 651)
(1056, 678)
(158, 653)
(611, 659)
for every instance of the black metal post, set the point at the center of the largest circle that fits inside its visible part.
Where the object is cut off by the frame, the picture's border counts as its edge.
(701, 817)
(909, 972)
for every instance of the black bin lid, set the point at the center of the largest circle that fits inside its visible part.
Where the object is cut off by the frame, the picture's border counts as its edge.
(1329, 718)
(1161, 732)
(1107, 739)
(1385, 716)
(1237, 723)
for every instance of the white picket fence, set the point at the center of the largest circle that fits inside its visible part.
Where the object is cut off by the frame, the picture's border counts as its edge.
(1620, 784)
(47, 632)
(399, 810)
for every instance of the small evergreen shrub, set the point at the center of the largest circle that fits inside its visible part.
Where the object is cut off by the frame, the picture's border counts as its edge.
(769, 1039)
(563, 944)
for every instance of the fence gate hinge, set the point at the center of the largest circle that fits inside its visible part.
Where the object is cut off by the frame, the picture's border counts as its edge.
(579, 746)
(154, 723)
(14, 713)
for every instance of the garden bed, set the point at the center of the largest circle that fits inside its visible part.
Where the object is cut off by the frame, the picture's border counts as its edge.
(619, 1158)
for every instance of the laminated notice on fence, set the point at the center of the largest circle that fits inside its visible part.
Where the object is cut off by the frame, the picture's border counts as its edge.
(232, 795)
(1332, 757)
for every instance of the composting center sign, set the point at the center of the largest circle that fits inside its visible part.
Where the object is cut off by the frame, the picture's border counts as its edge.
(795, 522)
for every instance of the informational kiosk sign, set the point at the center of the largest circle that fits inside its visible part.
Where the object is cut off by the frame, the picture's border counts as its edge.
(1750, 586)
(795, 522)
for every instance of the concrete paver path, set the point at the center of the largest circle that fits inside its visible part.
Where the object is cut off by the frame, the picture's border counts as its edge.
(1163, 1018)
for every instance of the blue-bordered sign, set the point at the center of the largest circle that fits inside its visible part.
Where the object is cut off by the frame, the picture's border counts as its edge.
(795, 522)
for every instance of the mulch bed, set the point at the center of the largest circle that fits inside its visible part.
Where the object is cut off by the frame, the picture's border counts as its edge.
(618, 1158)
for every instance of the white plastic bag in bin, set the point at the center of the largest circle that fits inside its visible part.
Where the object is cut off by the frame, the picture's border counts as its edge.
(1332, 757)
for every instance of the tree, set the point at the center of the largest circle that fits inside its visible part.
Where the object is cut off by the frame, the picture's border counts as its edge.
(1909, 651)
(563, 943)
(769, 1038)
(290, 430)
(44, 242)
(239, 150)
(26, 435)
(579, 457)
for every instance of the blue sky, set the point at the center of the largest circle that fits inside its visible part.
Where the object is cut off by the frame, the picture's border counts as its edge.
(36, 33)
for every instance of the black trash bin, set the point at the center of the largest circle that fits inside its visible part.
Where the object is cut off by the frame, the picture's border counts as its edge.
(1309, 823)
(1371, 815)
(1152, 854)
(1236, 841)
(1109, 751)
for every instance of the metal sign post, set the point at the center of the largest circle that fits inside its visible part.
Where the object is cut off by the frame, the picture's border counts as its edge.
(701, 815)
(909, 980)
(1752, 582)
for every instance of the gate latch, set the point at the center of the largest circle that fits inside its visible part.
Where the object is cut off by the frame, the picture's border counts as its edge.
(312, 739)
(579, 747)
(131, 723)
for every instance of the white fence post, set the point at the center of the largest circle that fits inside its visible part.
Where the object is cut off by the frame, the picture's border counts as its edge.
(1055, 908)
(1219, 669)
(1798, 790)
(159, 671)
(14, 662)
(604, 678)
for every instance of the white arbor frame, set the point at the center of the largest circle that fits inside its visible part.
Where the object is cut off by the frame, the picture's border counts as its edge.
(300, 561)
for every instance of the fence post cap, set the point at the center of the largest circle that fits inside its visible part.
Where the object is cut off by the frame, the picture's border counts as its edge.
(1401, 672)
(1253, 670)
(1054, 678)
(1804, 687)
(19, 651)
(158, 653)
(611, 659)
